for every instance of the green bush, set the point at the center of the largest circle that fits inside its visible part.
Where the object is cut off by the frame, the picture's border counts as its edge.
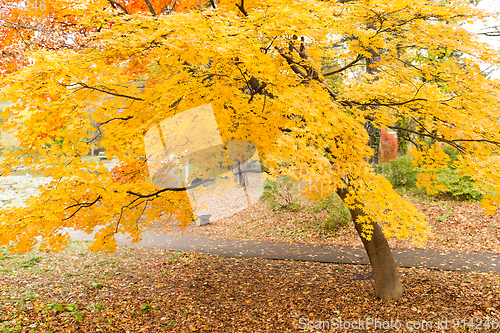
(281, 194)
(402, 173)
(459, 187)
(338, 214)
(339, 217)
(399, 172)
(452, 153)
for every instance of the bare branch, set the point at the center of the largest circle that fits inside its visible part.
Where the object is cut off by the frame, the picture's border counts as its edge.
(452, 142)
(429, 135)
(178, 189)
(14, 25)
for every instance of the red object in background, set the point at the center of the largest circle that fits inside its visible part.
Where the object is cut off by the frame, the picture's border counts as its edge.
(388, 147)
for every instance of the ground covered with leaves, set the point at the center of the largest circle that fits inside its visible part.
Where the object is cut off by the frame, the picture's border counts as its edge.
(149, 290)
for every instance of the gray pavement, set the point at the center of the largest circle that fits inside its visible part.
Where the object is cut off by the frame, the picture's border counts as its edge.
(457, 261)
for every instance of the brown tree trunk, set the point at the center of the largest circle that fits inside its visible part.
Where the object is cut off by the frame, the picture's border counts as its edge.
(387, 283)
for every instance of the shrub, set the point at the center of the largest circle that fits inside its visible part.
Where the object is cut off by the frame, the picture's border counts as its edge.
(399, 172)
(452, 153)
(281, 194)
(338, 214)
(459, 187)
(388, 146)
(402, 173)
(339, 217)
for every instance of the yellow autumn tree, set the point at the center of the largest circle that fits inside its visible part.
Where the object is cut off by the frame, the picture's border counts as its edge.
(258, 64)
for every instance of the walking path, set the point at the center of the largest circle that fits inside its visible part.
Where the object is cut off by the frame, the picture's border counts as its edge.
(458, 261)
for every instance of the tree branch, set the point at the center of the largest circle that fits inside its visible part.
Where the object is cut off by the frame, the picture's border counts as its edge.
(81, 205)
(376, 103)
(114, 3)
(17, 25)
(151, 9)
(430, 135)
(177, 189)
(311, 73)
(83, 85)
(242, 8)
(104, 123)
(349, 65)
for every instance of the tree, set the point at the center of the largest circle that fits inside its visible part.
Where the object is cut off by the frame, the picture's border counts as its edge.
(258, 64)
(388, 146)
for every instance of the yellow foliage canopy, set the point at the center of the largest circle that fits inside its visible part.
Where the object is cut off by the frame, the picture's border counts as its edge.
(259, 64)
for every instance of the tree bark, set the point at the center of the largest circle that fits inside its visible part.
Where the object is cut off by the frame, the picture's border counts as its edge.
(373, 131)
(374, 135)
(385, 274)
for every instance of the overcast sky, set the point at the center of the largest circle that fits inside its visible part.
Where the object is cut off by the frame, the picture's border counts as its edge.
(492, 6)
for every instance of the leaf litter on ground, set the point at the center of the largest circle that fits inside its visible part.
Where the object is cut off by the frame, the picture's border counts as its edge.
(152, 290)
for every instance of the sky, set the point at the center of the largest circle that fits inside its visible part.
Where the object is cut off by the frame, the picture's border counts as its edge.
(492, 6)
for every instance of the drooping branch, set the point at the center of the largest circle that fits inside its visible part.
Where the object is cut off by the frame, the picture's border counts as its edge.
(349, 65)
(83, 85)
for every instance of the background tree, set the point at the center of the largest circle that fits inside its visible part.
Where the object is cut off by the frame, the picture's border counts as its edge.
(258, 64)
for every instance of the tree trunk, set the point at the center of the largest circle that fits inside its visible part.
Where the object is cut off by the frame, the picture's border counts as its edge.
(374, 135)
(387, 283)
(373, 131)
